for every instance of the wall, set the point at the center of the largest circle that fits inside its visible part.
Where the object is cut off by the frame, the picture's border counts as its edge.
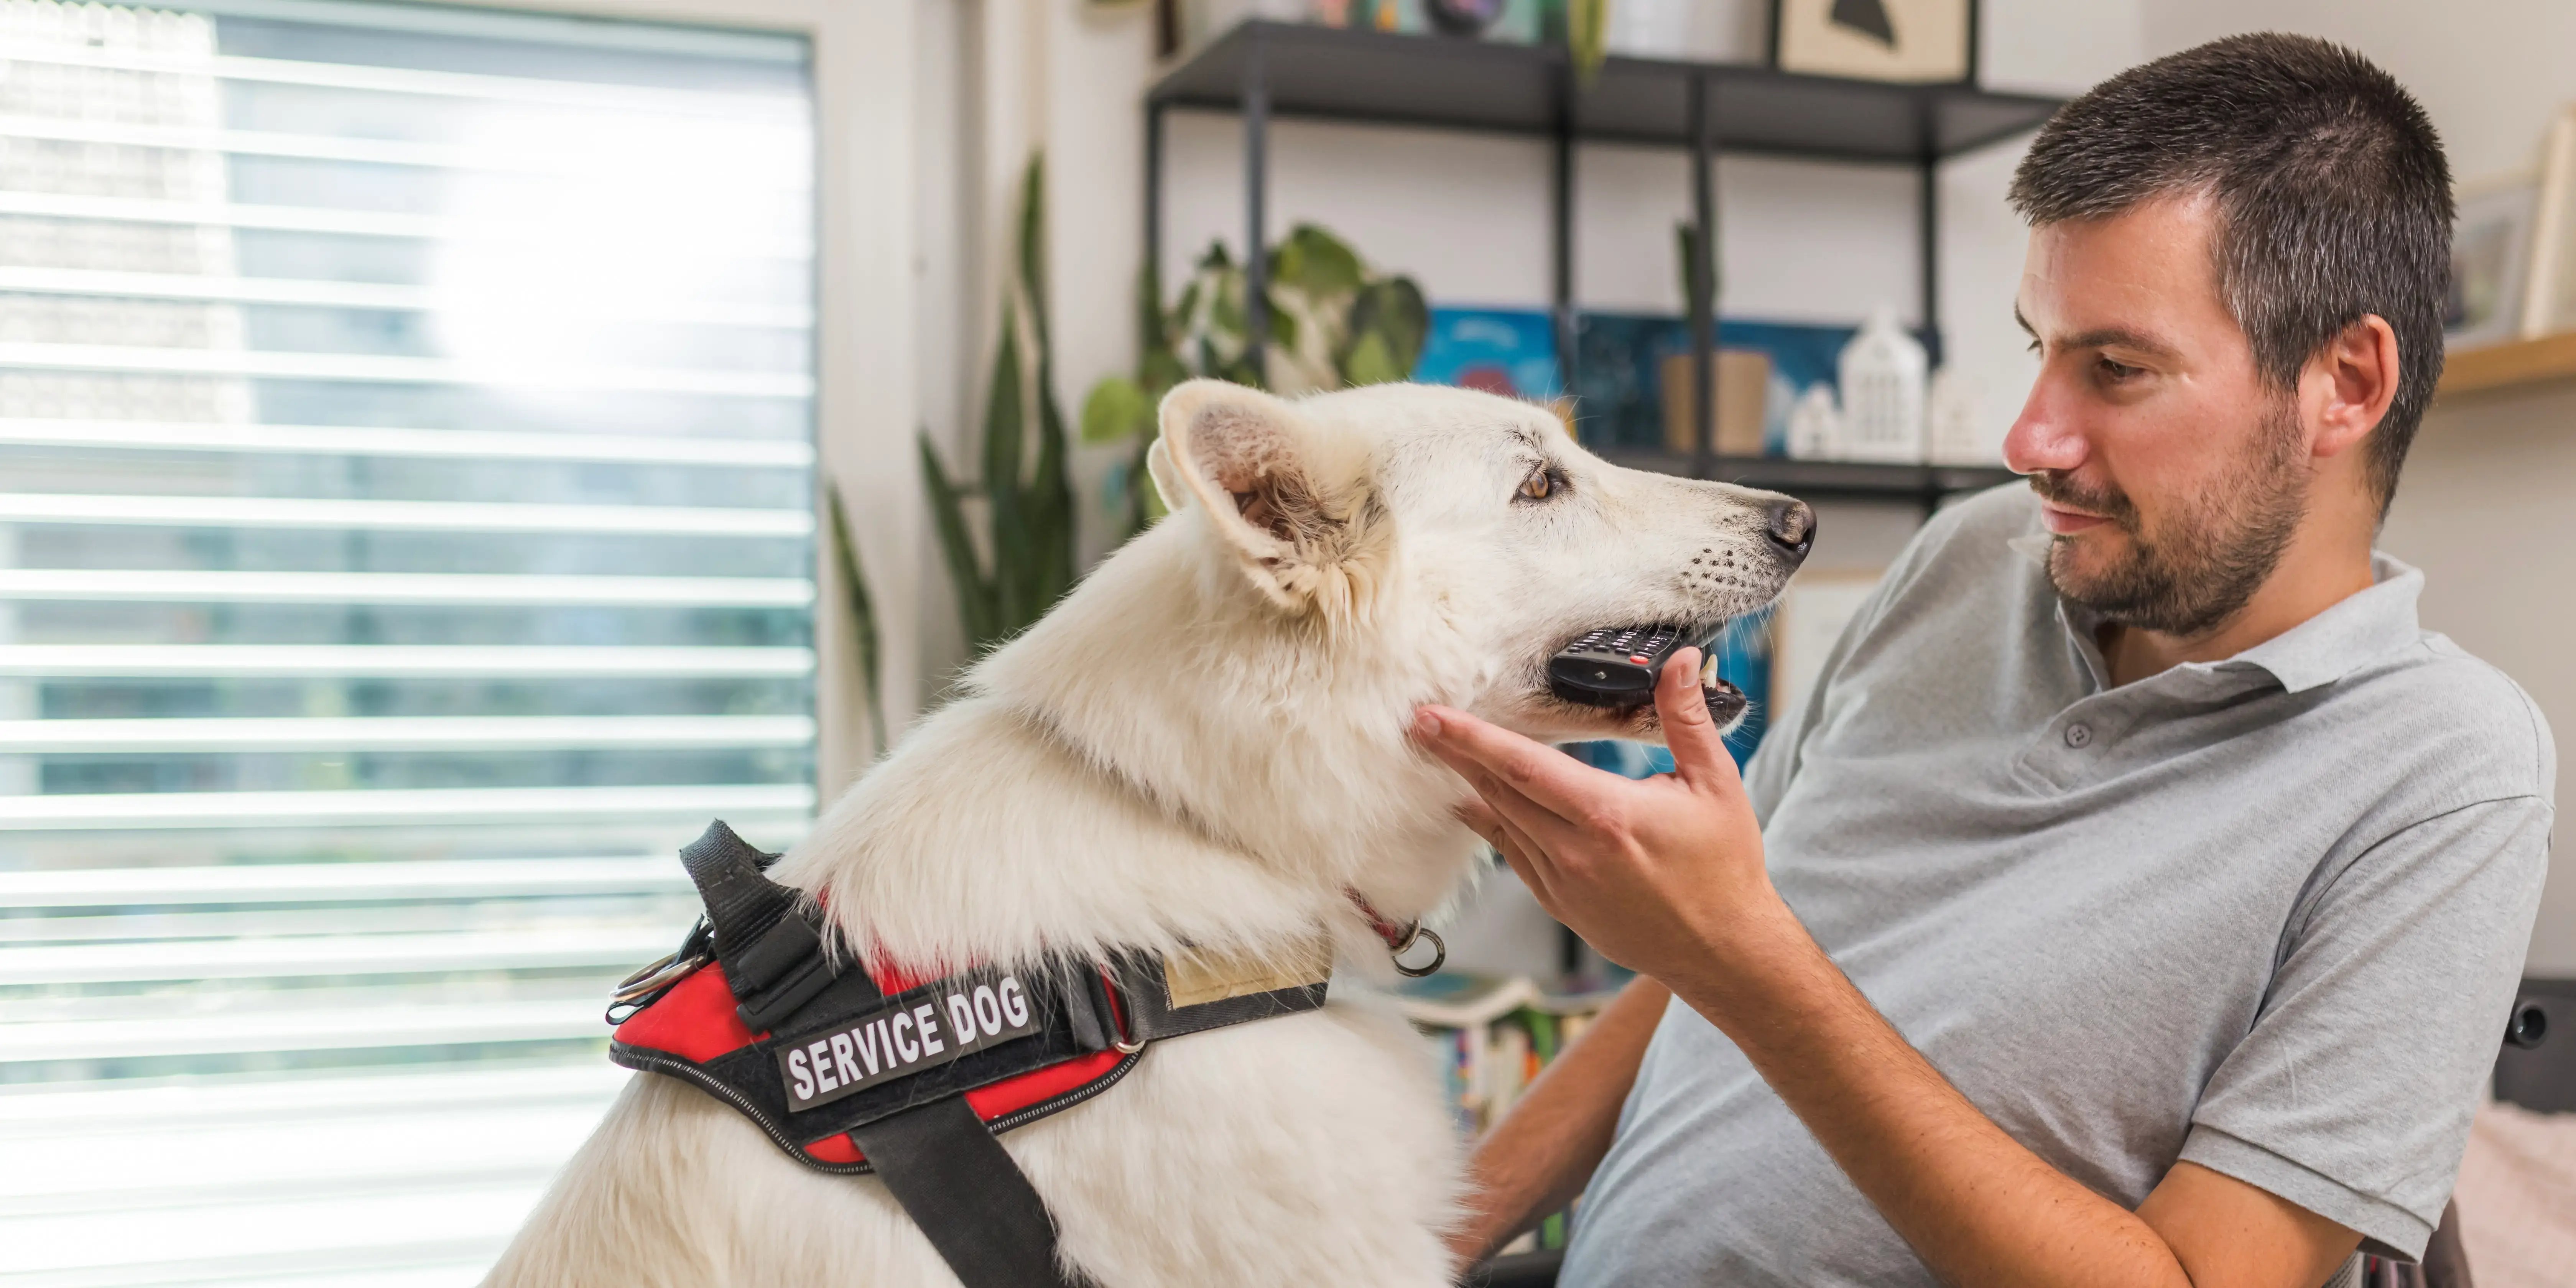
(2483, 507)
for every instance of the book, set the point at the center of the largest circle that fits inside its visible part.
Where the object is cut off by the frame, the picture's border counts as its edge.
(1492, 1036)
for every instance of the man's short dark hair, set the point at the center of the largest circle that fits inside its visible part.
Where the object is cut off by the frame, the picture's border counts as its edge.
(2333, 198)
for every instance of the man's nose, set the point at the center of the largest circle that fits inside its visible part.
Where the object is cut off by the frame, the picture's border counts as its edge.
(2042, 437)
(1792, 529)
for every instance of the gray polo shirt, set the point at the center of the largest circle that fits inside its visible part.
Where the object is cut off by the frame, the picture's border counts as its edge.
(2265, 914)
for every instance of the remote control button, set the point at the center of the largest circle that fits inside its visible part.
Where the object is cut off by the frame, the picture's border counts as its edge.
(1638, 658)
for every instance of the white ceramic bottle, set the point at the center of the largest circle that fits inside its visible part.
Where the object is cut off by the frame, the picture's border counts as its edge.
(1815, 425)
(1883, 371)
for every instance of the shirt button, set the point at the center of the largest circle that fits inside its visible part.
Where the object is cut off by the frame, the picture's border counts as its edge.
(2079, 736)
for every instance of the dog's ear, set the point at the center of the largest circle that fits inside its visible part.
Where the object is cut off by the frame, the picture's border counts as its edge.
(1167, 476)
(1282, 493)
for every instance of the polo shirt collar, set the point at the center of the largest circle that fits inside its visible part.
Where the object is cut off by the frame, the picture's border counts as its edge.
(2367, 624)
(2364, 625)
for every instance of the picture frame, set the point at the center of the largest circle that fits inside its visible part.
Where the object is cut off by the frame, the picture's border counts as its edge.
(2549, 295)
(1910, 42)
(2490, 262)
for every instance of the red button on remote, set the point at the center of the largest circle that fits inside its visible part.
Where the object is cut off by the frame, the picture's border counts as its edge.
(1638, 658)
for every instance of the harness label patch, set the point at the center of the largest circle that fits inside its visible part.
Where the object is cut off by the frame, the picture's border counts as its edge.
(957, 1016)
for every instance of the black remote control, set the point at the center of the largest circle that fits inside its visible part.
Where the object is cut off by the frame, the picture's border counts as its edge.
(1614, 666)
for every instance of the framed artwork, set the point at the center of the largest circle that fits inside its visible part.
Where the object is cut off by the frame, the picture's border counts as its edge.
(1918, 42)
(2490, 256)
(2549, 299)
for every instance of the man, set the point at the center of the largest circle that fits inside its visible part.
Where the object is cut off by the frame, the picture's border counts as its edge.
(2145, 890)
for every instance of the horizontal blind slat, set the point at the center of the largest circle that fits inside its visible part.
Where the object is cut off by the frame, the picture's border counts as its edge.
(392, 954)
(419, 516)
(509, 156)
(400, 660)
(397, 733)
(777, 110)
(332, 440)
(259, 217)
(226, 586)
(387, 879)
(373, 295)
(380, 369)
(382, 807)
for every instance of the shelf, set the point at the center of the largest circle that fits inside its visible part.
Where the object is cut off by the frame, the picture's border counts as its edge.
(1337, 74)
(1833, 480)
(2509, 365)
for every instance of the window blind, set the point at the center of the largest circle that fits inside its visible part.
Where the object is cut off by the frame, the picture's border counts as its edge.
(406, 542)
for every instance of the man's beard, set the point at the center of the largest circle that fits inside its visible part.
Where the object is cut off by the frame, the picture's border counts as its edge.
(2209, 553)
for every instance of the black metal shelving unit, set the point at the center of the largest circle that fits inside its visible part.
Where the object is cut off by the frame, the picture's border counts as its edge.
(1263, 70)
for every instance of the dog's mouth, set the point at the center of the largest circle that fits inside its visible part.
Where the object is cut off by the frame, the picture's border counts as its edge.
(1620, 685)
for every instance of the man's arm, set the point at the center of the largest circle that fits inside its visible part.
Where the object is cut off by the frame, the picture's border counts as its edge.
(1667, 876)
(1540, 1156)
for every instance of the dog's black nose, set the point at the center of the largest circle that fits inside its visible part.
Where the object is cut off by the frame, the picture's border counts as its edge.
(1792, 528)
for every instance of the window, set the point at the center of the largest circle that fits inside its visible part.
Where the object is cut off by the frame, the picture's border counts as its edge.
(407, 541)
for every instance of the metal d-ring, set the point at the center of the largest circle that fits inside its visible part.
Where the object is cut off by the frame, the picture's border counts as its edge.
(1124, 1047)
(1413, 934)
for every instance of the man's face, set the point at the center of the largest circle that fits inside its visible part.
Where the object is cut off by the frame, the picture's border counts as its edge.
(2171, 476)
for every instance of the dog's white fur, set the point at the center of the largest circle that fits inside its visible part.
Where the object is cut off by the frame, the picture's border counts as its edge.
(1205, 744)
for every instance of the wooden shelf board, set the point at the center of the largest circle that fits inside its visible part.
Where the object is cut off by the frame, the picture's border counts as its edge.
(2508, 365)
(1841, 480)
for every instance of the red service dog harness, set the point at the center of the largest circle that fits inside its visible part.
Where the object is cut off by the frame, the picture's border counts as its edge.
(853, 1071)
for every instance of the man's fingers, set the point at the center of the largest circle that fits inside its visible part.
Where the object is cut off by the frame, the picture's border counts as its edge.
(1511, 843)
(1700, 756)
(1542, 775)
(1531, 863)
(1534, 826)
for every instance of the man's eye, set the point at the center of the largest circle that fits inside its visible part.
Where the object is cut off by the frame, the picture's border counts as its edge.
(2116, 371)
(1540, 485)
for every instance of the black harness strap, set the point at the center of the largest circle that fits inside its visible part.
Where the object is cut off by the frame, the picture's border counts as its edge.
(960, 1186)
(772, 957)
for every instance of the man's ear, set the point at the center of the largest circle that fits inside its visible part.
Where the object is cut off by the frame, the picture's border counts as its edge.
(1279, 493)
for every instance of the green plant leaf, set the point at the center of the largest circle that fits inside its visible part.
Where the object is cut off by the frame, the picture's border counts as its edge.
(1160, 372)
(1372, 362)
(1587, 37)
(1316, 262)
(1393, 310)
(1032, 247)
(1115, 410)
(865, 642)
(1049, 506)
(976, 610)
(1004, 416)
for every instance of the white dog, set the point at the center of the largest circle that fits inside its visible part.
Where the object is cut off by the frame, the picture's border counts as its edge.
(1205, 745)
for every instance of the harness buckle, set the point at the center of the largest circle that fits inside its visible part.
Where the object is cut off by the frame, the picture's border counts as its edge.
(647, 985)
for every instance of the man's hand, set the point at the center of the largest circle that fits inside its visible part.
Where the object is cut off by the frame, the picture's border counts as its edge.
(1663, 876)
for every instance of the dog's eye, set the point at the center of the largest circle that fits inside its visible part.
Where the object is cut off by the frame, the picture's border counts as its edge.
(1540, 485)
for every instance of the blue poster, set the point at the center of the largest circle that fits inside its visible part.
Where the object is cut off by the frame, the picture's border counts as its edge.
(1511, 352)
